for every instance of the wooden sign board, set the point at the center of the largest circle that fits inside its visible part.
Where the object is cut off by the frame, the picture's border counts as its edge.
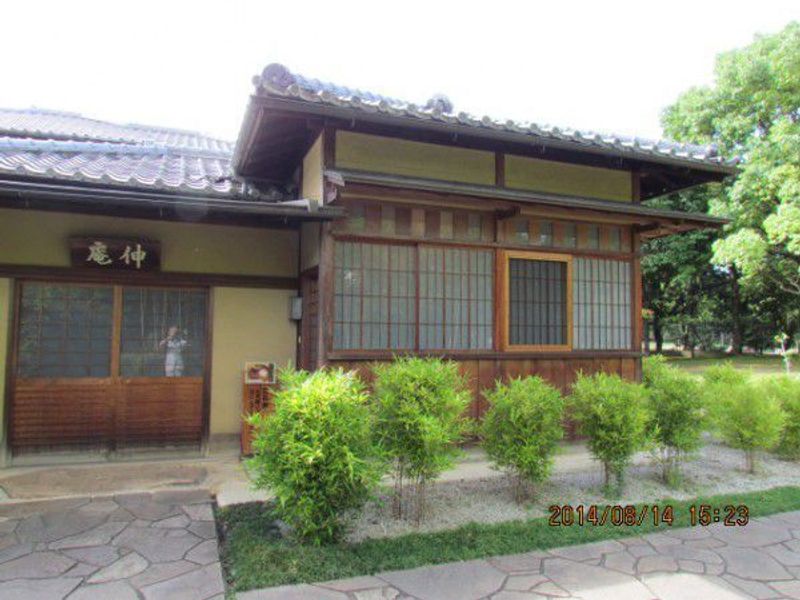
(128, 254)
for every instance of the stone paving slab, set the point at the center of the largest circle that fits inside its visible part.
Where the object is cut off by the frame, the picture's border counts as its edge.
(154, 546)
(760, 560)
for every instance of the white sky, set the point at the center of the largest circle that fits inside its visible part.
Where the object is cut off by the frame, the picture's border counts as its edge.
(603, 65)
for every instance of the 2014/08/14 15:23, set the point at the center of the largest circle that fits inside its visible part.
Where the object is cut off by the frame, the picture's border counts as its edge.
(629, 515)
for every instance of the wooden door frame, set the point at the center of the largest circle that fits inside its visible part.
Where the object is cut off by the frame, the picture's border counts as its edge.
(117, 282)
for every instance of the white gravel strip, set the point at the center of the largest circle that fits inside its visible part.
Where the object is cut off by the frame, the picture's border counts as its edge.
(715, 469)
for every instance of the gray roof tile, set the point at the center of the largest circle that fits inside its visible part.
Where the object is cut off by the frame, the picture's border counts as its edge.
(53, 124)
(277, 80)
(52, 144)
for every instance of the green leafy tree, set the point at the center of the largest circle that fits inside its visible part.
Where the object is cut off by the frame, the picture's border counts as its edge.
(522, 428)
(681, 285)
(316, 452)
(753, 110)
(420, 406)
(678, 414)
(612, 413)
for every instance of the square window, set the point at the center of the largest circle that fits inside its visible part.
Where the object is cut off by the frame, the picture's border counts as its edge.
(537, 304)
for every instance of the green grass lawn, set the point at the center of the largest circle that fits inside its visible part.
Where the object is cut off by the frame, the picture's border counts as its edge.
(254, 556)
(759, 366)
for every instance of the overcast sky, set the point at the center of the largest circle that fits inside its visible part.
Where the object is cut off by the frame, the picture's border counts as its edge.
(603, 65)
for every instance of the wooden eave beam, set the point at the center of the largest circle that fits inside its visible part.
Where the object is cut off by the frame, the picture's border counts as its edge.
(489, 198)
(501, 140)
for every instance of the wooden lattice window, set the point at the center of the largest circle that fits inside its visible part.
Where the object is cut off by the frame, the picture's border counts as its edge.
(374, 296)
(589, 237)
(455, 302)
(602, 300)
(537, 303)
(613, 239)
(545, 237)
(569, 235)
(376, 299)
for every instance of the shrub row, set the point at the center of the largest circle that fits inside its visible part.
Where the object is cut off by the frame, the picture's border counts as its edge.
(325, 446)
(328, 442)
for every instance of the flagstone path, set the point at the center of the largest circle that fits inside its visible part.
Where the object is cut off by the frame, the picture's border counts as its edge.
(152, 545)
(163, 545)
(761, 560)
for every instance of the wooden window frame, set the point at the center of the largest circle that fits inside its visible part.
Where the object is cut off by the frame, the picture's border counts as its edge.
(504, 297)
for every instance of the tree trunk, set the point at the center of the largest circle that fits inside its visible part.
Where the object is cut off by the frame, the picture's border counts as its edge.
(421, 508)
(658, 334)
(398, 490)
(736, 313)
(750, 460)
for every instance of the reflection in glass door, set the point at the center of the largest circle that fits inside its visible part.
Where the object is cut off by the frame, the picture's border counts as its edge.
(163, 332)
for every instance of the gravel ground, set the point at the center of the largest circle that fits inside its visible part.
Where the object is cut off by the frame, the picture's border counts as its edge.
(715, 469)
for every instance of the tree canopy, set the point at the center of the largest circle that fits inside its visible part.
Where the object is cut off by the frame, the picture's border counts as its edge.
(753, 111)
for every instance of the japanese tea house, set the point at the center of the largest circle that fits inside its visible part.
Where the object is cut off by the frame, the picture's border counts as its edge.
(141, 267)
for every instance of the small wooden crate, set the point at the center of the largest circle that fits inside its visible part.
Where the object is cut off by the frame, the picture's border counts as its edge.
(256, 397)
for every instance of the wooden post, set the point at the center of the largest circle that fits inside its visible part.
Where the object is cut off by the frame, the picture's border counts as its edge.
(638, 320)
(499, 169)
(325, 299)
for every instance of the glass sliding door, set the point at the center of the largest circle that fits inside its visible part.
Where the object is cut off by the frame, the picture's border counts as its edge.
(107, 367)
(163, 332)
(65, 331)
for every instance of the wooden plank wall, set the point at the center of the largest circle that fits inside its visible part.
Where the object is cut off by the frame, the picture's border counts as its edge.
(48, 415)
(482, 373)
(105, 414)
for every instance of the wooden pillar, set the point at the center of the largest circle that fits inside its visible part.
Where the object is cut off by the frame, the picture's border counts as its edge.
(638, 320)
(500, 169)
(636, 248)
(326, 283)
(636, 186)
(326, 264)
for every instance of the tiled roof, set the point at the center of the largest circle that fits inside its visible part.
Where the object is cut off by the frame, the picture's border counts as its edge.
(52, 124)
(277, 80)
(52, 144)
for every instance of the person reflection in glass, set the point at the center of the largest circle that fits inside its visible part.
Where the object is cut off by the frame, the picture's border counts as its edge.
(174, 344)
